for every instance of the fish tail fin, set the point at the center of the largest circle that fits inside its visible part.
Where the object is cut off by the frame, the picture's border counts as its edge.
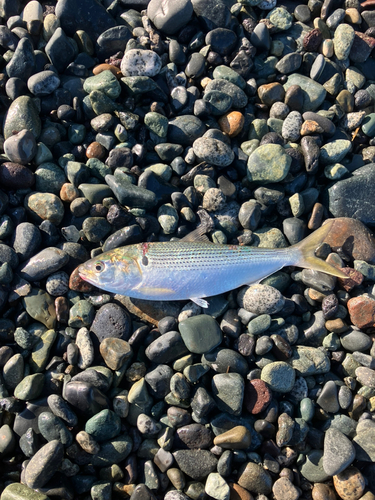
(305, 250)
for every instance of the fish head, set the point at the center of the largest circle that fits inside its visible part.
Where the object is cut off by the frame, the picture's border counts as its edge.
(115, 271)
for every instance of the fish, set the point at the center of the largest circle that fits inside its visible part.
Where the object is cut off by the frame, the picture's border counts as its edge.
(194, 270)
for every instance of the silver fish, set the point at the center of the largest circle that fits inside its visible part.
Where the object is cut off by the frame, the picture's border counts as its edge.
(184, 270)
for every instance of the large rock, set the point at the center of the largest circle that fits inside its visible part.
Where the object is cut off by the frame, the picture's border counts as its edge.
(87, 15)
(354, 197)
(170, 16)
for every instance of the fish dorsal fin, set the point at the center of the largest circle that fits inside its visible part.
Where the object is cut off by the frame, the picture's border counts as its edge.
(199, 234)
(196, 235)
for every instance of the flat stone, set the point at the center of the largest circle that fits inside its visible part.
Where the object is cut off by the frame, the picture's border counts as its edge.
(18, 491)
(213, 151)
(228, 392)
(364, 445)
(113, 452)
(22, 114)
(138, 62)
(312, 469)
(314, 93)
(279, 376)
(257, 396)
(268, 163)
(339, 452)
(309, 361)
(60, 50)
(40, 306)
(41, 351)
(115, 352)
(103, 426)
(328, 399)
(255, 479)
(170, 16)
(196, 464)
(43, 264)
(44, 464)
(200, 333)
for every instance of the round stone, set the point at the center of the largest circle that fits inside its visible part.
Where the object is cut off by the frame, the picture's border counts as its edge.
(22, 114)
(171, 15)
(139, 62)
(201, 333)
(339, 452)
(103, 426)
(115, 352)
(279, 376)
(45, 206)
(349, 484)
(257, 396)
(21, 148)
(114, 315)
(268, 163)
(232, 123)
(261, 299)
(213, 151)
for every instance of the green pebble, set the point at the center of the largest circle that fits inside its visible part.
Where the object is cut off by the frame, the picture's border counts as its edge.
(368, 125)
(259, 324)
(30, 387)
(335, 172)
(297, 205)
(157, 123)
(168, 218)
(279, 376)
(312, 469)
(95, 193)
(228, 392)
(275, 125)
(314, 92)
(18, 491)
(138, 395)
(103, 426)
(200, 333)
(334, 151)
(22, 114)
(44, 206)
(278, 280)
(162, 170)
(121, 133)
(41, 307)
(249, 147)
(269, 238)
(269, 163)
(23, 338)
(41, 351)
(76, 133)
(226, 73)
(331, 342)
(139, 84)
(105, 82)
(113, 451)
(368, 270)
(81, 314)
(49, 178)
(101, 491)
(280, 18)
(43, 154)
(258, 129)
(98, 169)
(307, 409)
(219, 237)
(101, 103)
(264, 68)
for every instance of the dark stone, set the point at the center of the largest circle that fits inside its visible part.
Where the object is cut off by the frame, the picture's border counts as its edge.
(88, 15)
(112, 320)
(86, 399)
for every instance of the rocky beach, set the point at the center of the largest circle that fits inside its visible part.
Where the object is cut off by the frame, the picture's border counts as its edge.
(135, 121)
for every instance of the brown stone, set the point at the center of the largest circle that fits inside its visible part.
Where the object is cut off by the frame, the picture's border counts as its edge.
(231, 123)
(362, 311)
(353, 238)
(355, 278)
(357, 407)
(257, 396)
(239, 493)
(16, 176)
(316, 295)
(311, 127)
(96, 150)
(68, 192)
(104, 67)
(312, 40)
(283, 489)
(237, 438)
(349, 484)
(62, 310)
(316, 216)
(336, 325)
(323, 492)
(115, 352)
(270, 93)
(77, 284)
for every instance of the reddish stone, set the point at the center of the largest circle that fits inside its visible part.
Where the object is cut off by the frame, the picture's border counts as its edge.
(239, 493)
(96, 150)
(16, 176)
(353, 238)
(355, 278)
(362, 311)
(231, 123)
(257, 396)
(312, 40)
(77, 284)
(107, 67)
(349, 484)
(68, 192)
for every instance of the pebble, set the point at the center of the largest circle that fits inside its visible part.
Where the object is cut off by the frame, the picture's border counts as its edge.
(339, 452)
(44, 464)
(138, 62)
(349, 484)
(255, 478)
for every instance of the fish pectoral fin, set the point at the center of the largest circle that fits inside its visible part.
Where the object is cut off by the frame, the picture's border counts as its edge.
(200, 302)
(149, 290)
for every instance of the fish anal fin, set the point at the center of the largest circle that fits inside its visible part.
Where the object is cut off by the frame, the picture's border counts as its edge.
(200, 302)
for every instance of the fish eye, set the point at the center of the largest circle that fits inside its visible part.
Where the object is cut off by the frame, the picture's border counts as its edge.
(99, 266)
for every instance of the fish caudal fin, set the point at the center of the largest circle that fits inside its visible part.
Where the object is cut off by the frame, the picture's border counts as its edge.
(306, 250)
